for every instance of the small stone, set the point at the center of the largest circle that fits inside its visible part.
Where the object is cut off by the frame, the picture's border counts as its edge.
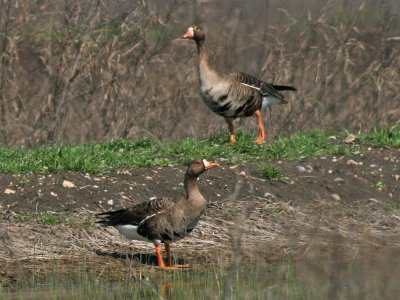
(309, 168)
(153, 198)
(330, 171)
(349, 138)
(53, 194)
(334, 159)
(338, 179)
(335, 197)
(149, 178)
(243, 173)
(110, 202)
(68, 184)
(397, 177)
(301, 169)
(268, 195)
(9, 191)
(352, 162)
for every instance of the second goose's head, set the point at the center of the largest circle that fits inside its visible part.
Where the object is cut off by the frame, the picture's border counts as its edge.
(195, 33)
(197, 167)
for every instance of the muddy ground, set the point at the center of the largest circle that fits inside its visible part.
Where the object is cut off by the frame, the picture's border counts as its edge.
(330, 207)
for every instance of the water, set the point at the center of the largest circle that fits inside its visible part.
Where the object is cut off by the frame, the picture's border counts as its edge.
(309, 278)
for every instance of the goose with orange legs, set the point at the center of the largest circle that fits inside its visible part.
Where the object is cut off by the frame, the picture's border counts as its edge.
(162, 220)
(234, 95)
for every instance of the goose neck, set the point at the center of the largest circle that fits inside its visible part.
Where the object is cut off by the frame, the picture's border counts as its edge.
(202, 50)
(192, 191)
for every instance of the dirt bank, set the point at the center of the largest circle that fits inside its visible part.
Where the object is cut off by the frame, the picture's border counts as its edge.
(346, 203)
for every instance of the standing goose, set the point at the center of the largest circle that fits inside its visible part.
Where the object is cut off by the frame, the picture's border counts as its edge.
(162, 220)
(235, 95)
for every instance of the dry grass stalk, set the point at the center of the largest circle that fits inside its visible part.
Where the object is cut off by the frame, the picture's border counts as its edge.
(73, 72)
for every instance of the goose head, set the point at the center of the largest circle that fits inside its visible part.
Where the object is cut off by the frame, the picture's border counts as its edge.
(198, 166)
(195, 33)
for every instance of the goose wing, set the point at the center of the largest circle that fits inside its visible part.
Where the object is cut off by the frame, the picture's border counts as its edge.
(265, 89)
(135, 215)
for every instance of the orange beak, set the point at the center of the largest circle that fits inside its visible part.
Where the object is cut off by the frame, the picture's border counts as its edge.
(210, 165)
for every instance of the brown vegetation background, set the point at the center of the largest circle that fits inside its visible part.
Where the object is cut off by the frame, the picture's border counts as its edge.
(79, 71)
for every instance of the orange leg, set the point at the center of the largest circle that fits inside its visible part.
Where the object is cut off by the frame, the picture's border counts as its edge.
(261, 133)
(159, 257)
(168, 250)
(165, 290)
(232, 138)
(160, 260)
(169, 258)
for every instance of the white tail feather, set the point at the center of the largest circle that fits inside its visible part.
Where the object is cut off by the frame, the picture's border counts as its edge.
(270, 101)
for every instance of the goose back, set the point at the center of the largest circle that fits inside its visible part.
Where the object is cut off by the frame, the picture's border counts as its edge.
(158, 220)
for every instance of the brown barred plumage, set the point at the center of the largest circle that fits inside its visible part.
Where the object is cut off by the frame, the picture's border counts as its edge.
(162, 220)
(235, 95)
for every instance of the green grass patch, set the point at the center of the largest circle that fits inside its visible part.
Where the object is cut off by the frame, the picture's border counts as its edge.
(46, 218)
(383, 137)
(272, 173)
(101, 158)
(380, 184)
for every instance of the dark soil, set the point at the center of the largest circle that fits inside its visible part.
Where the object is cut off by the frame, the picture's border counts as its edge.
(373, 178)
(351, 201)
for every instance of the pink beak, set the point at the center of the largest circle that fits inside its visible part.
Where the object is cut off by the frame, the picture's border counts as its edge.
(188, 35)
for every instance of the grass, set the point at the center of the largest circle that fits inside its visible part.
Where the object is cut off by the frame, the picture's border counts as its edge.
(272, 173)
(213, 282)
(389, 207)
(251, 280)
(209, 283)
(382, 137)
(380, 184)
(101, 158)
(46, 218)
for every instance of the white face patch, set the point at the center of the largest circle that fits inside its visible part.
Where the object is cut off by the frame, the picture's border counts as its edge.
(191, 31)
(206, 163)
